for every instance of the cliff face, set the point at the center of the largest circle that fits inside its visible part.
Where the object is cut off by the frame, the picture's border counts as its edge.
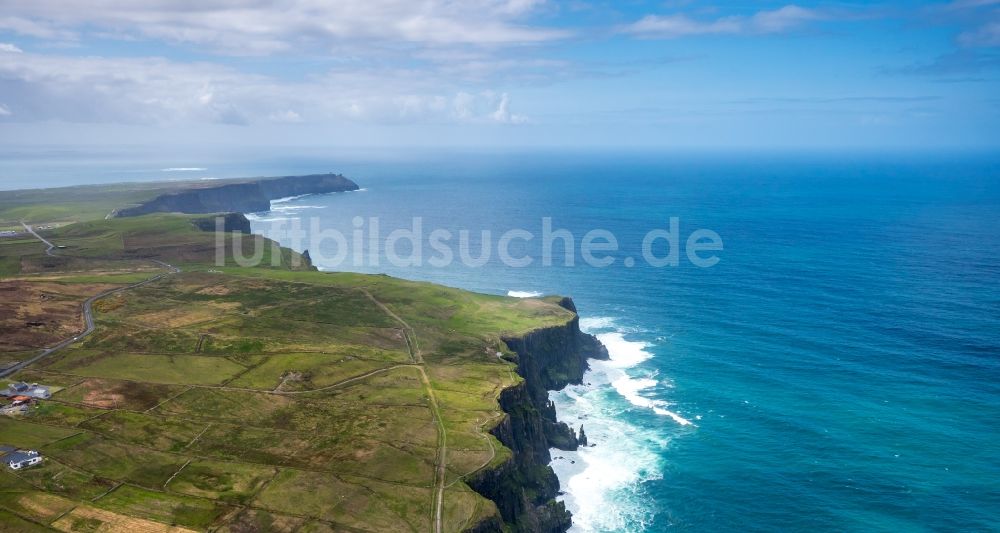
(525, 486)
(237, 222)
(245, 197)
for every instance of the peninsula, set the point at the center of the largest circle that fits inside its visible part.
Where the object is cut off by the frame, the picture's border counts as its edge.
(244, 196)
(185, 395)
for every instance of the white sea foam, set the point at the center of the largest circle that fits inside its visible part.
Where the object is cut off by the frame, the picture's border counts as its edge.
(258, 217)
(624, 353)
(676, 417)
(295, 207)
(183, 169)
(630, 388)
(591, 324)
(287, 199)
(627, 354)
(604, 488)
(524, 294)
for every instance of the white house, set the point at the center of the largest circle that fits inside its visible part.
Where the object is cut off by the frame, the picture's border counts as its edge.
(22, 458)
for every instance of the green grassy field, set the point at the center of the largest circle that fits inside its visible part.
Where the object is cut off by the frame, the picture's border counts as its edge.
(24, 434)
(63, 480)
(114, 460)
(94, 246)
(227, 398)
(184, 511)
(228, 482)
(150, 368)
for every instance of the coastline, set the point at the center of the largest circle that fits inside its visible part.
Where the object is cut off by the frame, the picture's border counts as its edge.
(547, 359)
(602, 486)
(525, 487)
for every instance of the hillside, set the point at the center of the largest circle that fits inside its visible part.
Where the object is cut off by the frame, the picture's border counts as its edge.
(277, 398)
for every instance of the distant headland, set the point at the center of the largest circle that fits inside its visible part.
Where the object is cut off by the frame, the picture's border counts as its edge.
(241, 195)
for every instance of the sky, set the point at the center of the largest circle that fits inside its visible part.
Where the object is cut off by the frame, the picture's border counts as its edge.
(510, 73)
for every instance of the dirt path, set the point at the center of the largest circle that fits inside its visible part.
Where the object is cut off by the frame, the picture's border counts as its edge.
(328, 387)
(440, 472)
(493, 453)
(39, 237)
(408, 334)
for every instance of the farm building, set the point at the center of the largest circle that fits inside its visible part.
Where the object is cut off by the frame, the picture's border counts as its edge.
(21, 388)
(22, 458)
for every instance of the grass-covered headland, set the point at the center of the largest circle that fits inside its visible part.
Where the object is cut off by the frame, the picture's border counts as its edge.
(271, 398)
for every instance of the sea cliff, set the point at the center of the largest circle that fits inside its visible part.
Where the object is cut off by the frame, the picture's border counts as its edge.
(242, 196)
(525, 486)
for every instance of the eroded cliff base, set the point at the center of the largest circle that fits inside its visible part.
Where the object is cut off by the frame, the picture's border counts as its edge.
(524, 487)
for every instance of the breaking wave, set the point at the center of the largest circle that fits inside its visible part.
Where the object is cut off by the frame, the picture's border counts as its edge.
(604, 483)
(524, 294)
(286, 199)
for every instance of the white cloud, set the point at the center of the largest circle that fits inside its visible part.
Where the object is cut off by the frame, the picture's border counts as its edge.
(780, 20)
(4, 112)
(971, 4)
(160, 91)
(503, 114)
(978, 20)
(783, 19)
(463, 105)
(287, 115)
(33, 28)
(7, 47)
(668, 27)
(270, 27)
(517, 7)
(984, 36)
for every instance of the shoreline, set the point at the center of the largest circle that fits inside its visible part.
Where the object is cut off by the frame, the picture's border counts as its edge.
(605, 488)
(528, 451)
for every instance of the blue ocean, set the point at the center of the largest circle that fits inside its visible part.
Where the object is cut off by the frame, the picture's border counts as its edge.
(837, 369)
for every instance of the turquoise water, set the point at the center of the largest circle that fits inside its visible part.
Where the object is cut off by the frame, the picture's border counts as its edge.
(836, 370)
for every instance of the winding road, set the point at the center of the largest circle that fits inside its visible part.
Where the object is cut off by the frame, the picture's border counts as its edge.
(88, 315)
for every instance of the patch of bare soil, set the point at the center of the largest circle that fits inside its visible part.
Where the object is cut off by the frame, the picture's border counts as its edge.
(34, 315)
(215, 290)
(110, 522)
(105, 393)
(103, 399)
